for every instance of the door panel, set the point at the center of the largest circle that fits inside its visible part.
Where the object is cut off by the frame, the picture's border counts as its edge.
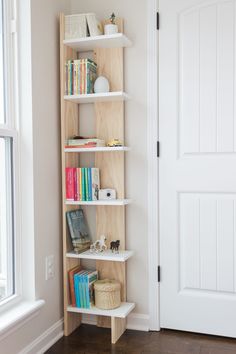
(198, 165)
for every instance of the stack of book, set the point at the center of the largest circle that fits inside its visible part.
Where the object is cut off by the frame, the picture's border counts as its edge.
(82, 184)
(80, 75)
(84, 143)
(81, 284)
(78, 230)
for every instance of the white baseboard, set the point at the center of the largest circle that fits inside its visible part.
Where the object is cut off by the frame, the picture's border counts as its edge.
(135, 321)
(41, 344)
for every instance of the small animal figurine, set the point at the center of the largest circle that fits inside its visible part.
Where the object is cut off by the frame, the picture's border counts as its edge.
(114, 246)
(99, 245)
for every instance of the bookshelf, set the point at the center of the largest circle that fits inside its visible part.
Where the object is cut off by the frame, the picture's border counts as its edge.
(110, 214)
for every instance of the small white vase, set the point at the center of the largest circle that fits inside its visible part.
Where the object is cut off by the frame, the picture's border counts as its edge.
(101, 85)
(110, 29)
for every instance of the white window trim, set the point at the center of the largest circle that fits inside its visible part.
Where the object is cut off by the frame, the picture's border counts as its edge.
(24, 307)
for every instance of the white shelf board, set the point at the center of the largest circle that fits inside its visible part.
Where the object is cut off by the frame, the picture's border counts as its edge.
(121, 312)
(98, 149)
(115, 202)
(86, 44)
(122, 256)
(97, 97)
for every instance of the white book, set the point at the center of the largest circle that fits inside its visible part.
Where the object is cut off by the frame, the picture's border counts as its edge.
(75, 26)
(94, 26)
(95, 183)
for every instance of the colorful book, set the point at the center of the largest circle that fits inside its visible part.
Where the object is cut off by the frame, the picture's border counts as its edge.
(95, 183)
(86, 185)
(69, 183)
(78, 183)
(90, 192)
(71, 274)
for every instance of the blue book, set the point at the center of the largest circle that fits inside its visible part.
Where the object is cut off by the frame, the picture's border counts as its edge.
(76, 286)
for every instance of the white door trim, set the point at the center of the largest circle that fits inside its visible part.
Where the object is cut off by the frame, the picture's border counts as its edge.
(152, 138)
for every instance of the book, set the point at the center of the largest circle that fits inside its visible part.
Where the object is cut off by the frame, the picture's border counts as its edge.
(75, 26)
(83, 185)
(94, 26)
(89, 290)
(86, 184)
(71, 274)
(90, 192)
(69, 183)
(78, 183)
(75, 184)
(95, 183)
(78, 230)
(85, 142)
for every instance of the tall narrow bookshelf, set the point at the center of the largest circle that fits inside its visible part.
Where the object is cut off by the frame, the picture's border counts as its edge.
(110, 215)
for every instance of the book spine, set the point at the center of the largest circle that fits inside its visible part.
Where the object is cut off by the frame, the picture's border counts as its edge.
(78, 183)
(86, 184)
(66, 78)
(76, 285)
(72, 77)
(69, 183)
(81, 290)
(81, 76)
(95, 183)
(83, 184)
(84, 77)
(75, 184)
(78, 88)
(90, 184)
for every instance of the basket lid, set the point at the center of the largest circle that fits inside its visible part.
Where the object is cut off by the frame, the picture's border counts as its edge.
(106, 285)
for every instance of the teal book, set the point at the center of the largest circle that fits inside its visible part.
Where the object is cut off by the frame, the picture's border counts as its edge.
(86, 184)
(80, 288)
(76, 286)
(83, 184)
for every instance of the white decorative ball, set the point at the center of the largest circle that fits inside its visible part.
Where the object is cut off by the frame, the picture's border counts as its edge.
(101, 85)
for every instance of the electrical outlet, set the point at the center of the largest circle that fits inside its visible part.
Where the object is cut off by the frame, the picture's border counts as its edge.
(50, 267)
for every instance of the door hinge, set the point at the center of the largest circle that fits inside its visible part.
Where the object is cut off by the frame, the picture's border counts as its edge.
(158, 21)
(158, 149)
(158, 274)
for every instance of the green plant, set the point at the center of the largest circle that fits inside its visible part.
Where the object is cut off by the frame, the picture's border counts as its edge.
(112, 18)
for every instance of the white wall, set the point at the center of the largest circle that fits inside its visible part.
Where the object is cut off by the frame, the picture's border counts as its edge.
(46, 137)
(135, 23)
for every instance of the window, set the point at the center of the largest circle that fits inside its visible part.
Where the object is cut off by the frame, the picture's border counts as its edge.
(8, 158)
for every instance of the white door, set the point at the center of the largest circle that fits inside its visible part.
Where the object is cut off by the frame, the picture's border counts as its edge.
(198, 165)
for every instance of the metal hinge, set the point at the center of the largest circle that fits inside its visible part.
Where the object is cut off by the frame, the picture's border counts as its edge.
(158, 21)
(159, 274)
(158, 149)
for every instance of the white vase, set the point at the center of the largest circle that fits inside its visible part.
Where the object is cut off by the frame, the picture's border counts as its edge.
(101, 85)
(110, 29)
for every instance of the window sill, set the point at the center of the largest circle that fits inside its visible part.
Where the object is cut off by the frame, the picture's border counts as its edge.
(18, 315)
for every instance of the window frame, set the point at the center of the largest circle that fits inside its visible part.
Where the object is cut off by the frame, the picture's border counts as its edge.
(10, 129)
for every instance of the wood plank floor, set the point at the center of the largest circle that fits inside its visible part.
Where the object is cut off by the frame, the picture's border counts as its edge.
(92, 340)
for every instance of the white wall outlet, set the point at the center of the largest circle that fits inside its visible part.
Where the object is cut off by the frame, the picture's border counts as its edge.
(50, 267)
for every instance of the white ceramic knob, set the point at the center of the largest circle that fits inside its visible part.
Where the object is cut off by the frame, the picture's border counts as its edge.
(101, 85)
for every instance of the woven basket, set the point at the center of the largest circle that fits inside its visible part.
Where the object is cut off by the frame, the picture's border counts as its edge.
(107, 294)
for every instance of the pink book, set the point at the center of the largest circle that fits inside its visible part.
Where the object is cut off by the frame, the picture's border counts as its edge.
(69, 183)
(75, 184)
(78, 183)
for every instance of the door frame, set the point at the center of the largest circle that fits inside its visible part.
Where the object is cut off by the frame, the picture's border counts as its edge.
(153, 165)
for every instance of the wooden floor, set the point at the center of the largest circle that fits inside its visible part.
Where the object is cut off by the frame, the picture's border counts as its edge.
(92, 340)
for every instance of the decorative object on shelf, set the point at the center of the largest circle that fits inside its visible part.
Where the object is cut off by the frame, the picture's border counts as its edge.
(94, 26)
(107, 294)
(99, 245)
(114, 246)
(75, 26)
(101, 85)
(107, 194)
(114, 142)
(78, 230)
(111, 28)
